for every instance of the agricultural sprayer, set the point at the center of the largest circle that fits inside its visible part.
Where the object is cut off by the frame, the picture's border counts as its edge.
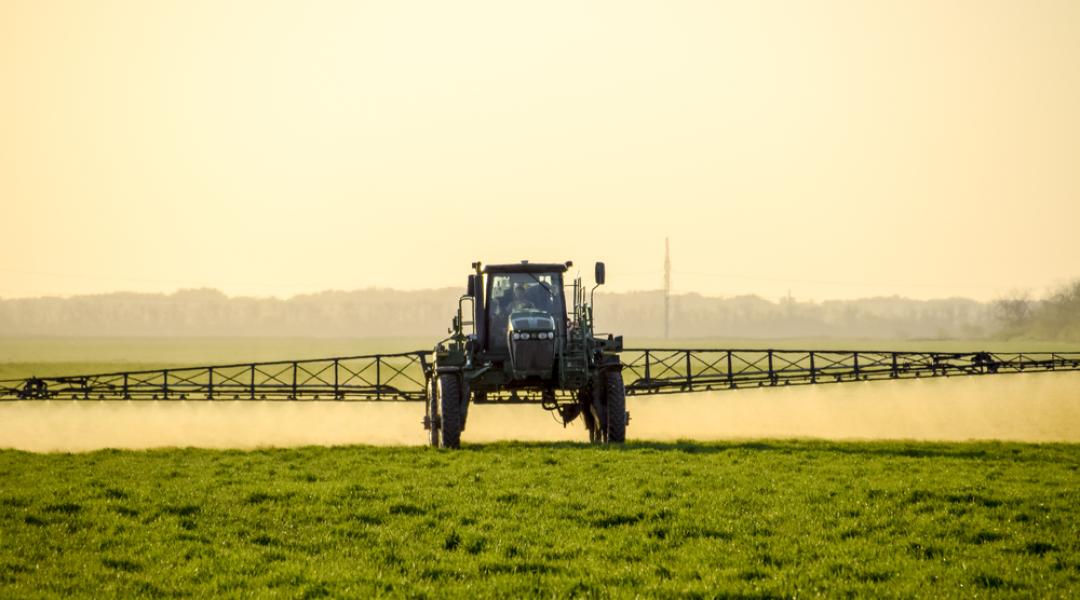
(523, 335)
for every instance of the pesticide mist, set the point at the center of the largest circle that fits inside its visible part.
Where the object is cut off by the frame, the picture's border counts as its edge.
(1031, 408)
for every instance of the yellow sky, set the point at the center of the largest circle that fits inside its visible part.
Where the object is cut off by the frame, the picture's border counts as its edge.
(834, 148)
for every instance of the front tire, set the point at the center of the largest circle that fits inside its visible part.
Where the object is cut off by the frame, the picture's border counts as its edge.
(613, 413)
(452, 413)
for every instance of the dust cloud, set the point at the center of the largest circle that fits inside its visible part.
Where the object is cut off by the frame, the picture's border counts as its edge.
(1032, 408)
(1028, 408)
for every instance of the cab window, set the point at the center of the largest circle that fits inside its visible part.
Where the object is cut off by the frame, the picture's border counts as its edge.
(514, 292)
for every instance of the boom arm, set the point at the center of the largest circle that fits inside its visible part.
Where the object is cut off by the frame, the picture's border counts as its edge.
(651, 371)
(403, 376)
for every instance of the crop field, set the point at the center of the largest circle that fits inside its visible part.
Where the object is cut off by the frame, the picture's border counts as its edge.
(750, 519)
(754, 514)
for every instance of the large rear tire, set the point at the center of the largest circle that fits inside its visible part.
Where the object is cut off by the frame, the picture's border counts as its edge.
(613, 413)
(452, 413)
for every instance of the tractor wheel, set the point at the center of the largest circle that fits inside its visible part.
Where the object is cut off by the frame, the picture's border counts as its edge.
(613, 413)
(433, 412)
(451, 411)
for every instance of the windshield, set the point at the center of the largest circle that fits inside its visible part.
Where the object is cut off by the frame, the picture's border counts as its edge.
(520, 292)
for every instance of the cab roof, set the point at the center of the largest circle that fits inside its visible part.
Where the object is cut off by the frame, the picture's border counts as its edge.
(528, 267)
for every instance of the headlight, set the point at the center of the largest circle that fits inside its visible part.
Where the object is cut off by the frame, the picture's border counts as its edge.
(516, 336)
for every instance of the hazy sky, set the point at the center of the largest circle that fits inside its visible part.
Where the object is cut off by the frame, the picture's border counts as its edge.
(834, 148)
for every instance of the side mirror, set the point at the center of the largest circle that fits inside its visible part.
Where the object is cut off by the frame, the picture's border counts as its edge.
(599, 273)
(470, 288)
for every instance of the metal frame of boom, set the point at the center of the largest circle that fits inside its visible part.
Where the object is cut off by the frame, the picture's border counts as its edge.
(667, 371)
(402, 376)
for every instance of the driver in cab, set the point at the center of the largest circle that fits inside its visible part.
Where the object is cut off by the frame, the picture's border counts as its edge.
(519, 301)
(512, 301)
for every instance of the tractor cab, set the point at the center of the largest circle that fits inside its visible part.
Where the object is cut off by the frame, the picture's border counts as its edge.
(523, 314)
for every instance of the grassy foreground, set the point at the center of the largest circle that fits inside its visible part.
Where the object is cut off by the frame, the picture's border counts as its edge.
(685, 519)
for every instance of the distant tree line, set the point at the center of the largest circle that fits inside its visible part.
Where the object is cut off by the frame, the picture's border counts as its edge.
(377, 313)
(1054, 318)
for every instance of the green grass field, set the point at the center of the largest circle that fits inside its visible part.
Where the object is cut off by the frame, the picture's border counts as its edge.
(743, 519)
